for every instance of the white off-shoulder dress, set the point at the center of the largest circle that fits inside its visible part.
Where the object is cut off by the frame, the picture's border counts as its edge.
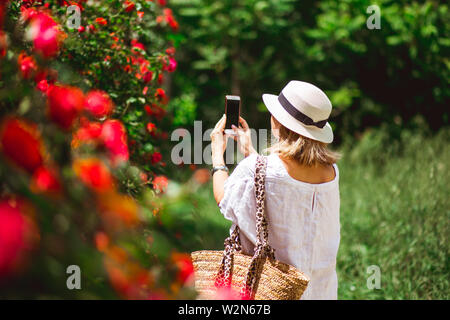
(303, 219)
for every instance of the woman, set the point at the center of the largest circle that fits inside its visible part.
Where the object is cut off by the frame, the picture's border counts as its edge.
(302, 185)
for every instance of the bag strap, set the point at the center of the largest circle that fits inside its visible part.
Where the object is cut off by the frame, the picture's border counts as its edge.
(262, 249)
(231, 244)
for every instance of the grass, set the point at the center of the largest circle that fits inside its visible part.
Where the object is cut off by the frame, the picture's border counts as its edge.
(394, 214)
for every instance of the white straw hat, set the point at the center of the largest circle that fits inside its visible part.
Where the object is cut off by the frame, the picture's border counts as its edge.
(302, 108)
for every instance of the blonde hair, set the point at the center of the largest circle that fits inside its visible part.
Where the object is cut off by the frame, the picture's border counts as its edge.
(306, 151)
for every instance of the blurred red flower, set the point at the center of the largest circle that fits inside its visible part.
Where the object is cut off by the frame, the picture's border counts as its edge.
(185, 267)
(101, 21)
(226, 293)
(160, 94)
(170, 51)
(136, 45)
(114, 137)
(45, 180)
(18, 234)
(162, 2)
(3, 44)
(202, 176)
(129, 6)
(43, 86)
(45, 33)
(98, 103)
(21, 143)
(87, 132)
(118, 210)
(94, 173)
(156, 157)
(151, 127)
(172, 65)
(101, 241)
(160, 183)
(148, 76)
(168, 14)
(27, 65)
(64, 105)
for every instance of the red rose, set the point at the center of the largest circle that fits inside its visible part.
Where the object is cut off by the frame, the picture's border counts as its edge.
(156, 157)
(27, 65)
(45, 180)
(160, 94)
(172, 65)
(81, 29)
(3, 44)
(172, 23)
(114, 136)
(91, 28)
(27, 13)
(20, 142)
(17, 235)
(151, 127)
(45, 34)
(160, 183)
(43, 86)
(94, 174)
(64, 105)
(101, 21)
(162, 2)
(170, 51)
(136, 45)
(98, 103)
(87, 132)
(129, 6)
(184, 265)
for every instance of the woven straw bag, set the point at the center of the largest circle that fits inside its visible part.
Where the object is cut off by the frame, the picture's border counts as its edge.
(260, 277)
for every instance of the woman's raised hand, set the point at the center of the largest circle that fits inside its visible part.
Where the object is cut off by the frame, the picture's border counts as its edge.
(244, 137)
(218, 142)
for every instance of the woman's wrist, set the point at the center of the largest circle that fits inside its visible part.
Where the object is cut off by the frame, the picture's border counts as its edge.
(217, 160)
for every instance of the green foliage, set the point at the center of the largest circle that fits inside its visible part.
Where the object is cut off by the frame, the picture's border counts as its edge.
(394, 214)
(65, 197)
(107, 58)
(374, 76)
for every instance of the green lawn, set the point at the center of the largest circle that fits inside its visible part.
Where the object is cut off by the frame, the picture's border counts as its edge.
(394, 214)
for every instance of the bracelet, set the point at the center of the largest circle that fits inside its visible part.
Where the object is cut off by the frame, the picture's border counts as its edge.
(214, 169)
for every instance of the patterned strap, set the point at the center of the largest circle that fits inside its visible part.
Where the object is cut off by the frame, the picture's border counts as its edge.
(262, 249)
(231, 244)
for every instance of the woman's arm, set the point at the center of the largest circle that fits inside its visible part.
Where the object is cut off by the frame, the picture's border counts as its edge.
(218, 146)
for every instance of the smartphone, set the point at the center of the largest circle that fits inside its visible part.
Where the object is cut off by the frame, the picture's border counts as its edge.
(232, 111)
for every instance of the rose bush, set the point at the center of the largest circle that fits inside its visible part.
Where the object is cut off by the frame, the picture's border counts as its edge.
(75, 108)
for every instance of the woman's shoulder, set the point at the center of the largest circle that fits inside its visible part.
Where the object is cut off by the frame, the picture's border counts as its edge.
(247, 165)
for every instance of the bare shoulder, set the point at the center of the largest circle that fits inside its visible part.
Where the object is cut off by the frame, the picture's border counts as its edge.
(314, 175)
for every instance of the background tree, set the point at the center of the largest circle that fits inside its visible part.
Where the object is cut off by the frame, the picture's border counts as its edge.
(373, 77)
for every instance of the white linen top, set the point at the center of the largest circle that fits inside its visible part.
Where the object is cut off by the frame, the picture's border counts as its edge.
(303, 220)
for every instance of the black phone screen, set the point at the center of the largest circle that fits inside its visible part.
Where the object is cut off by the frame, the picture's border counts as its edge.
(232, 110)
